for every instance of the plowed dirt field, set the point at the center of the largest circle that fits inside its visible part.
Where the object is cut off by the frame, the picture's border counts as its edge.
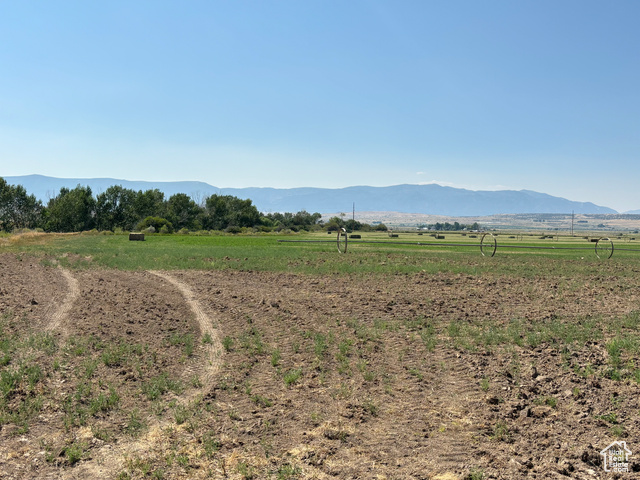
(209, 374)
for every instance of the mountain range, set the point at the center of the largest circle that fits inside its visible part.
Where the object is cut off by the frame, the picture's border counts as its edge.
(429, 199)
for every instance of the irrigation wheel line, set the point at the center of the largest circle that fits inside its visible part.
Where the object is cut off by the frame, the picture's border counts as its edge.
(604, 248)
(488, 248)
(342, 232)
(488, 245)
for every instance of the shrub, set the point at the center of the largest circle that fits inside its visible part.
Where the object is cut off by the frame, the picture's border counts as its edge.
(158, 223)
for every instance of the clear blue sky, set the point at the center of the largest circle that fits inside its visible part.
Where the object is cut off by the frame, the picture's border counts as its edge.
(481, 94)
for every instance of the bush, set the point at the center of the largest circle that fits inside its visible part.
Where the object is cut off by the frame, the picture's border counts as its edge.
(158, 223)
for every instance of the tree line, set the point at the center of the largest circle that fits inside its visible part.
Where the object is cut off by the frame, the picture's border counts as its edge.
(456, 227)
(77, 209)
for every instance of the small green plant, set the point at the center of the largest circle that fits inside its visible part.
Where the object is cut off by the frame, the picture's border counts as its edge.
(180, 414)
(103, 402)
(74, 452)
(292, 376)
(275, 357)
(287, 471)
(618, 431)
(261, 400)
(501, 431)
(227, 343)
(206, 339)
(136, 424)
(211, 444)
(484, 384)
(319, 345)
(246, 471)
(184, 339)
(158, 386)
(475, 474)
(549, 401)
(609, 417)
(370, 407)
(316, 418)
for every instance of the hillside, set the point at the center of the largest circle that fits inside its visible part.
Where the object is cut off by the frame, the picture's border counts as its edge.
(425, 199)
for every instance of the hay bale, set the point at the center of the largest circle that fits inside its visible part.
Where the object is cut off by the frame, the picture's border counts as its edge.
(136, 237)
(355, 235)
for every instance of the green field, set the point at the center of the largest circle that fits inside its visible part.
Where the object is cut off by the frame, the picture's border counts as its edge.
(528, 255)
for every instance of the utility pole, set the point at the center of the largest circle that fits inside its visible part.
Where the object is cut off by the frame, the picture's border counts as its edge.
(572, 217)
(354, 211)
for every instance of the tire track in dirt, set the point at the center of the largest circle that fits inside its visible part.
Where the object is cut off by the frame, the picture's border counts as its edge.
(456, 402)
(59, 315)
(207, 369)
(112, 459)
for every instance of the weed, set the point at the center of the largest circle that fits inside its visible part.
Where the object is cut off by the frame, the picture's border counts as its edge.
(484, 384)
(275, 357)
(501, 432)
(246, 470)
(74, 452)
(184, 339)
(288, 471)
(158, 386)
(136, 424)
(210, 444)
(320, 345)
(609, 417)
(206, 339)
(262, 401)
(180, 414)
(475, 474)
(618, 431)
(292, 376)
(251, 342)
(227, 343)
(196, 382)
(370, 407)
(104, 403)
(316, 418)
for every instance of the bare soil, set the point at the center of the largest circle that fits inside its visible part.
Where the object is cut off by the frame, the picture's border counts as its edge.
(297, 376)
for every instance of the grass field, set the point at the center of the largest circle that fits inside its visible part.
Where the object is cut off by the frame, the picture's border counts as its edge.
(250, 357)
(517, 254)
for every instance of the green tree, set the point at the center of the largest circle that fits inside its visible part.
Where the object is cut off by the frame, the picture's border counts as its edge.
(224, 211)
(71, 211)
(17, 208)
(183, 212)
(334, 223)
(115, 208)
(150, 203)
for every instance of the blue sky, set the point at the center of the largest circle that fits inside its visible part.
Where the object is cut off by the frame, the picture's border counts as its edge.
(529, 94)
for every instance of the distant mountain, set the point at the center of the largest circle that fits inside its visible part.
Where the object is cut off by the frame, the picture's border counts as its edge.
(430, 199)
